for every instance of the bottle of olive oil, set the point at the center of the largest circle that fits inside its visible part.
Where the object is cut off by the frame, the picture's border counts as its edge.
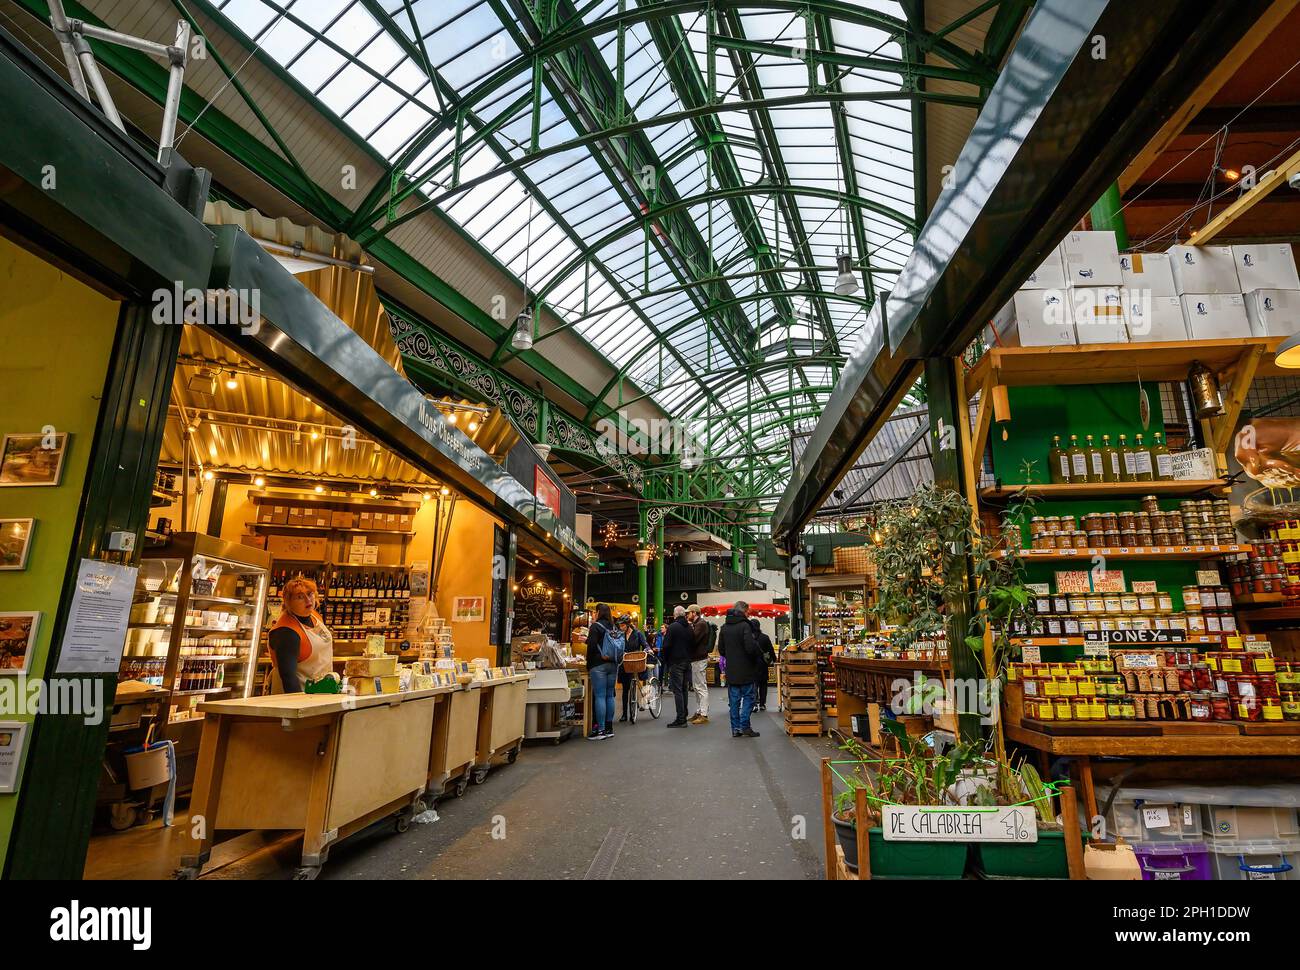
(1110, 460)
(1096, 467)
(1078, 461)
(1164, 461)
(1143, 470)
(1058, 462)
(1127, 471)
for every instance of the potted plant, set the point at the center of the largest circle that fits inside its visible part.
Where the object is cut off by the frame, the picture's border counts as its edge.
(917, 777)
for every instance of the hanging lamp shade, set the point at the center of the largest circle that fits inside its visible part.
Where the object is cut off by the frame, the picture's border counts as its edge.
(846, 283)
(523, 335)
(1288, 353)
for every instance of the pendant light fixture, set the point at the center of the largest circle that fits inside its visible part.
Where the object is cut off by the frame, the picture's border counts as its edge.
(1288, 353)
(523, 335)
(846, 284)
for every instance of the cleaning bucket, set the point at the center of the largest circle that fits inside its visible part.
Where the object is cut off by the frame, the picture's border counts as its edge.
(148, 767)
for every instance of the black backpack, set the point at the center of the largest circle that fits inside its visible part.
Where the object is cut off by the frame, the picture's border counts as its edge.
(713, 635)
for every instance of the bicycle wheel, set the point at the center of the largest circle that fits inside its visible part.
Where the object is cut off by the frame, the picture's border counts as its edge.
(634, 701)
(656, 698)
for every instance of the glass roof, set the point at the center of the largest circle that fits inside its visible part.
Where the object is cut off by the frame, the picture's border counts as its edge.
(722, 308)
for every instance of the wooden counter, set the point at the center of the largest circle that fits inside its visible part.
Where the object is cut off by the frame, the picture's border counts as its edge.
(501, 721)
(861, 682)
(326, 765)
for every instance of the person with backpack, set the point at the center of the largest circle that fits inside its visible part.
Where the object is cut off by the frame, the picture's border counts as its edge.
(605, 648)
(679, 641)
(737, 644)
(768, 653)
(704, 634)
(634, 640)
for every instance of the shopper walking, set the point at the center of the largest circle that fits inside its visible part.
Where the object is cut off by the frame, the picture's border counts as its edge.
(737, 644)
(768, 654)
(605, 646)
(635, 640)
(703, 634)
(679, 641)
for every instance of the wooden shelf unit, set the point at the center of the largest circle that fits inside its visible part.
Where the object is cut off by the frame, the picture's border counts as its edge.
(1103, 490)
(1137, 552)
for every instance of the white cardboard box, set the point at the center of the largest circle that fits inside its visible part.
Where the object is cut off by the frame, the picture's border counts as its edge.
(1098, 315)
(1215, 316)
(1035, 318)
(1050, 275)
(1203, 269)
(1151, 319)
(1091, 259)
(1148, 271)
(1273, 313)
(1266, 267)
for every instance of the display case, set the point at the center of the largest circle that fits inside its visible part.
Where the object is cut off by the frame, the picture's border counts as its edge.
(196, 622)
(838, 606)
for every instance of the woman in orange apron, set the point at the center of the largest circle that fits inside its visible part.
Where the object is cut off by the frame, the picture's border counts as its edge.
(302, 649)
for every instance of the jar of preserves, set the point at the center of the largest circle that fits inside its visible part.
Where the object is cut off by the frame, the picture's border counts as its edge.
(1080, 539)
(1113, 603)
(1200, 707)
(1113, 539)
(1109, 521)
(1127, 521)
(1164, 602)
(1291, 707)
(1037, 525)
(1149, 504)
(1220, 707)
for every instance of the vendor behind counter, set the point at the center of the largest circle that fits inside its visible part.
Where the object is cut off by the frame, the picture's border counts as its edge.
(302, 647)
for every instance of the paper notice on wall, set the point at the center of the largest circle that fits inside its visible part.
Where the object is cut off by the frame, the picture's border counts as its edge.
(97, 619)
(419, 579)
(13, 736)
(1072, 581)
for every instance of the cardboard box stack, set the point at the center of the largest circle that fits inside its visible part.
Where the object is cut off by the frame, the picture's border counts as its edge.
(1086, 292)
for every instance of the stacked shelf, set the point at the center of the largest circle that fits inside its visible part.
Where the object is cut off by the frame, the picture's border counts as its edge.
(800, 691)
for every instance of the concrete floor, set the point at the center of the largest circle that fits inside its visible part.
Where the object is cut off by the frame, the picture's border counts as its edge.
(651, 803)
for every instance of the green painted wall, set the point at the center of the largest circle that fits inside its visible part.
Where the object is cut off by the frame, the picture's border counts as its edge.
(1037, 413)
(57, 336)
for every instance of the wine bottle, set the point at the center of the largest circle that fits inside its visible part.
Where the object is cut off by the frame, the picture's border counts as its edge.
(1143, 468)
(1109, 460)
(1058, 462)
(1096, 467)
(1126, 459)
(1164, 461)
(1078, 461)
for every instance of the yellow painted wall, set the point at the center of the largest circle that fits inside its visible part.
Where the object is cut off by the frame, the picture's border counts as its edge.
(57, 336)
(467, 571)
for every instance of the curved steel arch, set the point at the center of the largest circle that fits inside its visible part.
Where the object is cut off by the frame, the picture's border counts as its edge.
(662, 120)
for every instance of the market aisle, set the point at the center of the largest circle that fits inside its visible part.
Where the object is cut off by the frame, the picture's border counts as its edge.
(651, 803)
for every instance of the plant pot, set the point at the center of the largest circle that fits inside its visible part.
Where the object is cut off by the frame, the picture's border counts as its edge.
(915, 860)
(847, 833)
(1044, 859)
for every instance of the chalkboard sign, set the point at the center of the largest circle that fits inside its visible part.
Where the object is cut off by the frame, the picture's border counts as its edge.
(1120, 638)
(502, 566)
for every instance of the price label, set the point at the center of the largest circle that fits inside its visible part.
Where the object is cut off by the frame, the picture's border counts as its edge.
(1031, 653)
(1188, 820)
(1155, 818)
(1092, 649)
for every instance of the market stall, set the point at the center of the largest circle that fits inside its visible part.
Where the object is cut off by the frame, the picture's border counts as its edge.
(325, 765)
(501, 721)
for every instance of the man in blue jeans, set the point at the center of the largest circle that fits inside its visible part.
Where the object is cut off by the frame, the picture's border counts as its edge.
(736, 643)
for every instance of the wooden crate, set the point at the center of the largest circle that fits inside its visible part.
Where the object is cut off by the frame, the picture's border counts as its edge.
(811, 730)
(800, 704)
(799, 656)
(799, 690)
(803, 717)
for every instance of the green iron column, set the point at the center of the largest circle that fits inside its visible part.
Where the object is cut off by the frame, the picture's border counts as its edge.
(643, 599)
(951, 466)
(659, 572)
(735, 548)
(1108, 213)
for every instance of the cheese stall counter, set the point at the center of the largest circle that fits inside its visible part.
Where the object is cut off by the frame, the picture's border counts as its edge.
(501, 721)
(326, 765)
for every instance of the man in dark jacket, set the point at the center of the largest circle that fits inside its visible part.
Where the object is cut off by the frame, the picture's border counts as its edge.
(679, 641)
(738, 645)
(769, 657)
(699, 664)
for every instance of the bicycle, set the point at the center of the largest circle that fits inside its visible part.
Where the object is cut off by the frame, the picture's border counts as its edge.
(648, 697)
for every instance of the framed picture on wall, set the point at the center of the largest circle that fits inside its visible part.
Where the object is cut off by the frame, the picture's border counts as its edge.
(33, 459)
(468, 609)
(13, 734)
(15, 542)
(17, 640)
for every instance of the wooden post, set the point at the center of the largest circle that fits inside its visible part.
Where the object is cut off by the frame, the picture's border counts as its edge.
(1085, 782)
(828, 828)
(864, 835)
(1070, 822)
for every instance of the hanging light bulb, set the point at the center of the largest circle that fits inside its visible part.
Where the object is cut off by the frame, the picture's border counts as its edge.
(320, 489)
(260, 482)
(846, 284)
(315, 435)
(451, 417)
(374, 493)
(231, 383)
(523, 335)
(207, 476)
(473, 426)
(446, 490)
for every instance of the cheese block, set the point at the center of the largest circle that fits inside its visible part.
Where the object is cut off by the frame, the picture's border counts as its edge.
(377, 685)
(359, 667)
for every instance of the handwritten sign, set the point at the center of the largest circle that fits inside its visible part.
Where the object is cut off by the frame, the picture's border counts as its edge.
(911, 823)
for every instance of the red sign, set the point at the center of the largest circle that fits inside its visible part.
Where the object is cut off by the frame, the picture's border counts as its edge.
(547, 492)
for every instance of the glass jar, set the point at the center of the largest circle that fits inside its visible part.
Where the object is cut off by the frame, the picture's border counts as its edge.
(1164, 602)
(1131, 603)
(1192, 599)
(1096, 603)
(1127, 521)
(1113, 603)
